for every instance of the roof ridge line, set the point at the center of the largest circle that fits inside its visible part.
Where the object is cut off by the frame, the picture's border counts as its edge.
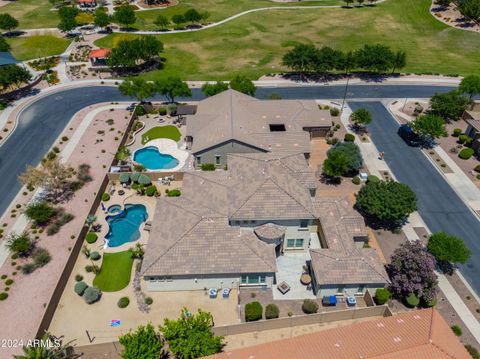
(248, 198)
(288, 194)
(246, 244)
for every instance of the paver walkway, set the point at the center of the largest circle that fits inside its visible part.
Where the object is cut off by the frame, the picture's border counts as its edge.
(375, 165)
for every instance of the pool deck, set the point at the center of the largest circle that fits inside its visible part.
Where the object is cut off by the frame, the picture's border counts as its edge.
(167, 146)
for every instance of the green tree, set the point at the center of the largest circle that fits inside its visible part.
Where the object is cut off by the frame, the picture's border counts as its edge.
(470, 85)
(360, 2)
(243, 84)
(470, 9)
(130, 53)
(172, 87)
(449, 106)
(388, 202)
(162, 21)
(361, 117)
(178, 19)
(211, 89)
(4, 45)
(101, 18)
(399, 60)
(327, 59)
(144, 343)
(348, 2)
(443, 3)
(20, 244)
(447, 248)
(40, 212)
(376, 58)
(429, 126)
(190, 336)
(346, 62)
(8, 22)
(123, 153)
(302, 58)
(137, 88)
(67, 16)
(335, 165)
(192, 15)
(125, 15)
(13, 75)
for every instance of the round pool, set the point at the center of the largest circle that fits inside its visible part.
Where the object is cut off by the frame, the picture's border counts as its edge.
(151, 158)
(115, 208)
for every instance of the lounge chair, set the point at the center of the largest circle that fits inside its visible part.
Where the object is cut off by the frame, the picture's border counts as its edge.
(148, 226)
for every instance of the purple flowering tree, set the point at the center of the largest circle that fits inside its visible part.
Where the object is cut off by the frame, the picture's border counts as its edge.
(412, 271)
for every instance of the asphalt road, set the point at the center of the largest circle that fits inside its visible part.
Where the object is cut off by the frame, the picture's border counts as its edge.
(440, 207)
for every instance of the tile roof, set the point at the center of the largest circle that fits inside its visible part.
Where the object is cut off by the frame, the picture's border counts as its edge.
(232, 115)
(99, 53)
(270, 231)
(340, 224)
(416, 334)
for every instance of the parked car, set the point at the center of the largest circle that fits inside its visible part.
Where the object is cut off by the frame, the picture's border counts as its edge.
(410, 137)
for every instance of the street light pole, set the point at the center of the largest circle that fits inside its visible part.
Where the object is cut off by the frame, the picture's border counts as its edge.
(346, 89)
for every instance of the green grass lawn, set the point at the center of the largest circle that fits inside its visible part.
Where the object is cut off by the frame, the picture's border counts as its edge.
(32, 47)
(218, 9)
(170, 132)
(255, 43)
(115, 272)
(32, 14)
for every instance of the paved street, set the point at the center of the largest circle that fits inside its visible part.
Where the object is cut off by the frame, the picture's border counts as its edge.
(440, 207)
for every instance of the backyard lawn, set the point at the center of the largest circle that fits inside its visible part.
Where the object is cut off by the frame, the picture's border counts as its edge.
(254, 44)
(170, 132)
(115, 272)
(32, 14)
(32, 47)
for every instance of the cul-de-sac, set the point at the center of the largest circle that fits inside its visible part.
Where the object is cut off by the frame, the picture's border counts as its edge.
(240, 179)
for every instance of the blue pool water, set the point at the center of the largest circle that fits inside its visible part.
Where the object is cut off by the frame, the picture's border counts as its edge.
(152, 159)
(124, 226)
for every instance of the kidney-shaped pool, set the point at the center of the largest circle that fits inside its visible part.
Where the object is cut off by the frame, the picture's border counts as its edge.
(151, 158)
(124, 226)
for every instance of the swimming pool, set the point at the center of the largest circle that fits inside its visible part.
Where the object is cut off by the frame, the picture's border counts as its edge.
(151, 158)
(124, 226)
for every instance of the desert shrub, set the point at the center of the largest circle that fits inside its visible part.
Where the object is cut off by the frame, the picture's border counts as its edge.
(309, 306)
(271, 311)
(253, 311)
(148, 300)
(52, 229)
(412, 300)
(41, 257)
(457, 132)
(150, 191)
(79, 277)
(20, 244)
(462, 138)
(123, 302)
(349, 137)
(95, 256)
(477, 168)
(382, 295)
(28, 268)
(466, 153)
(208, 167)
(105, 197)
(174, 193)
(334, 111)
(124, 177)
(472, 351)
(4, 276)
(3, 296)
(356, 180)
(372, 179)
(134, 176)
(139, 111)
(457, 330)
(80, 288)
(92, 294)
(9, 282)
(63, 217)
(162, 111)
(91, 237)
(92, 268)
(39, 212)
(144, 179)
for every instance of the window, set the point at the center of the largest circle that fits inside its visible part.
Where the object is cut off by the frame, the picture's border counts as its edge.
(295, 243)
(303, 223)
(279, 127)
(199, 160)
(217, 159)
(253, 279)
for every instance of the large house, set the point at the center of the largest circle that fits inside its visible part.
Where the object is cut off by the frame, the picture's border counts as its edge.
(232, 122)
(472, 118)
(415, 334)
(229, 227)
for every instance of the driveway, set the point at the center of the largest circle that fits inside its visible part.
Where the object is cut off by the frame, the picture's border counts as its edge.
(440, 207)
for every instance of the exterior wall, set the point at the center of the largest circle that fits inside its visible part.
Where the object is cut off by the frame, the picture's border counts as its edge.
(200, 283)
(351, 289)
(222, 150)
(293, 230)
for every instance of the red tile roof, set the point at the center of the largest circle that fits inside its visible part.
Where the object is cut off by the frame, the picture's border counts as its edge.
(416, 334)
(86, 1)
(99, 53)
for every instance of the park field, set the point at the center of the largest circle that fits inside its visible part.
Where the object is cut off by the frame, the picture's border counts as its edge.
(254, 44)
(32, 14)
(32, 47)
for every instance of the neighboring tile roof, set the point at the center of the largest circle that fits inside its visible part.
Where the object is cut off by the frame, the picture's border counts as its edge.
(99, 53)
(232, 115)
(342, 262)
(415, 334)
(473, 119)
(188, 239)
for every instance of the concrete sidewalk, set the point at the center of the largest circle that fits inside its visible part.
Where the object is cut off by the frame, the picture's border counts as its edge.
(375, 165)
